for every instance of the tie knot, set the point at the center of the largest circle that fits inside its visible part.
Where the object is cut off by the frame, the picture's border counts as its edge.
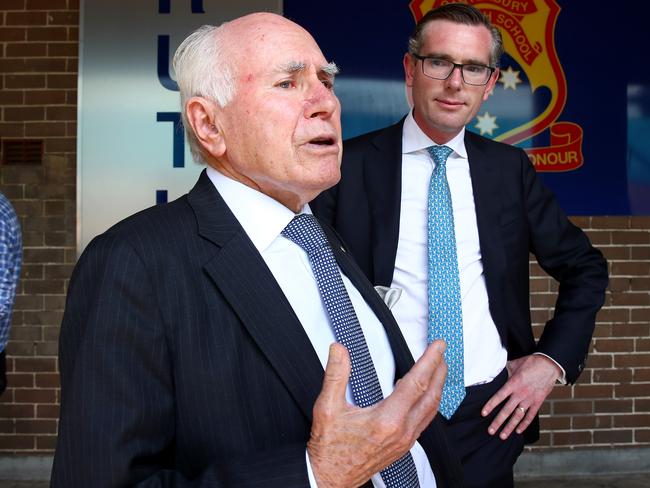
(305, 231)
(439, 154)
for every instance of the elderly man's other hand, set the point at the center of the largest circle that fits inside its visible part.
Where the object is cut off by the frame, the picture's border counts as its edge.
(349, 444)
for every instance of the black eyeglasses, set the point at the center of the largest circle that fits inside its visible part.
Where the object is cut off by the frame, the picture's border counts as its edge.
(441, 69)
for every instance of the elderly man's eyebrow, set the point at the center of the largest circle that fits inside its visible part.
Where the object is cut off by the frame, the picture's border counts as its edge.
(330, 68)
(296, 66)
(293, 67)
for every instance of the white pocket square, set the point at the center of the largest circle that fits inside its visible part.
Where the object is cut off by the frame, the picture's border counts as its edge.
(389, 295)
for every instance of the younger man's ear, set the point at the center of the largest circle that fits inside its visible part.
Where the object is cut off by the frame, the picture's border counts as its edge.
(409, 63)
(491, 84)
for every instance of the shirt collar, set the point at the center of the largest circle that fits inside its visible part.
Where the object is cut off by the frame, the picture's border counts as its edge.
(414, 139)
(262, 217)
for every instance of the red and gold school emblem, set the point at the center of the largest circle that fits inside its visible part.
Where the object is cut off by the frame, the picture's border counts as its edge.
(528, 30)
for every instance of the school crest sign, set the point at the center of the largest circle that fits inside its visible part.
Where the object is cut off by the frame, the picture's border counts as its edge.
(531, 91)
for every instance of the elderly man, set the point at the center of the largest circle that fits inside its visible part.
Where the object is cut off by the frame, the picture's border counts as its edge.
(196, 333)
(449, 218)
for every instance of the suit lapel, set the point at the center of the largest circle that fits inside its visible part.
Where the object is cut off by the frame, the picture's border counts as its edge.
(383, 182)
(486, 187)
(249, 287)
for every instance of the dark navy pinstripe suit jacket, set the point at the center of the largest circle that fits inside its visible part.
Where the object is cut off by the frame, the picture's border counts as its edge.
(183, 364)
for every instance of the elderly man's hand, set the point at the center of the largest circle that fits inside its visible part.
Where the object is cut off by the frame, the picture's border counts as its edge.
(531, 379)
(349, 444)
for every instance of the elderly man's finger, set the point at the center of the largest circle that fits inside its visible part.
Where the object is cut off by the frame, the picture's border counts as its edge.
(337, 375)
(427, 408)
(418, 394)
(418, 379)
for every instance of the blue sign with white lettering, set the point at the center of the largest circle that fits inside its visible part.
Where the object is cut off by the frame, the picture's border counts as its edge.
(573, 91)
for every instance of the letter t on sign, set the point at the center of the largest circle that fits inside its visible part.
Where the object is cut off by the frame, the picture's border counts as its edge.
(179, 141)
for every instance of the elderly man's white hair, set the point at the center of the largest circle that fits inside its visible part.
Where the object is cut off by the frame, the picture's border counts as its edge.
(202, 69)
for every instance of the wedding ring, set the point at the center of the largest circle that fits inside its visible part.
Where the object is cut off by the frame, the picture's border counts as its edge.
(523, 410)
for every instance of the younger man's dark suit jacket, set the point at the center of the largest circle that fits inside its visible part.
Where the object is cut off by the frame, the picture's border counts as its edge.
(183, 364)
(516, 215)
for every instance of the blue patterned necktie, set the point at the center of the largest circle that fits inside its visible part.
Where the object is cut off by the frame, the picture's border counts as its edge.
(306, 232)
(445, 312)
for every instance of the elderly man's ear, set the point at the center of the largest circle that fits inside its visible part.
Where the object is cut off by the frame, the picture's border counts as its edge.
(202, 116)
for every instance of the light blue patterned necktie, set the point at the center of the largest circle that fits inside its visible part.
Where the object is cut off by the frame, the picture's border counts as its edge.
(306, 232)
(445, 312)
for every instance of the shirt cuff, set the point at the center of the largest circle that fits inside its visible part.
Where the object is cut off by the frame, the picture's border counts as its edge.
(562, 378)
(310, 473)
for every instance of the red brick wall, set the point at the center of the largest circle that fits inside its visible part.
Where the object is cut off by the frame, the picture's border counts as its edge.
(38, 81)
(610, 404)
(38, 68)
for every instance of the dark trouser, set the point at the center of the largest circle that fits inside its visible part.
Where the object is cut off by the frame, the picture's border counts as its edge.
(487, 460)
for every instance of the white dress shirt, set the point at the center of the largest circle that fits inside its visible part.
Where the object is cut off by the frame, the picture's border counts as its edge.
(484, 354)
(263, 219)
